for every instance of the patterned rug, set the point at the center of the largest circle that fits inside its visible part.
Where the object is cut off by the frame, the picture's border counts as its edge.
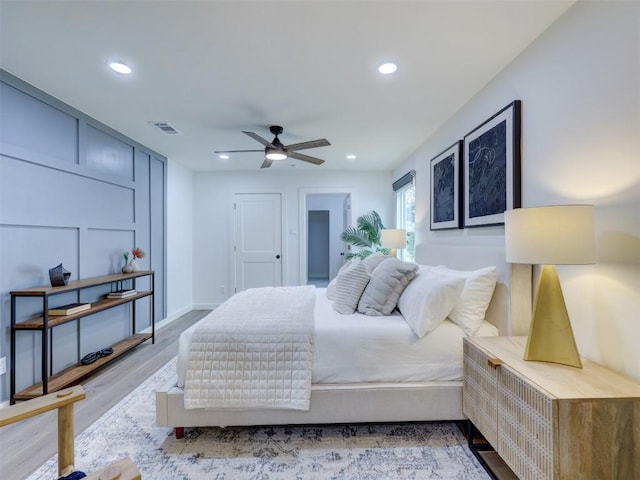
(434, 450)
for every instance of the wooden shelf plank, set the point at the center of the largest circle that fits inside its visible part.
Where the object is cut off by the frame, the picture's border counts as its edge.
(78, 284)
(73, 374)
(37, 323)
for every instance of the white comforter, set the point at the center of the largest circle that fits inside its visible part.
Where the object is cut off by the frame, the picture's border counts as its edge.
(351, 349)
(254, 351)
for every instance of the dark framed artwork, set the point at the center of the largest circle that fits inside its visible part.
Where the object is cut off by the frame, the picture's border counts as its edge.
(446, 178)
(492, 168)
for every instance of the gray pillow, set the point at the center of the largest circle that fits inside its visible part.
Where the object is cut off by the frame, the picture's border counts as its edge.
(388, 281)
(373, 260)
(331, 288)
(349, 286)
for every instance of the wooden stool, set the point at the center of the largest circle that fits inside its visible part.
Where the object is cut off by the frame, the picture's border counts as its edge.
(123, 469)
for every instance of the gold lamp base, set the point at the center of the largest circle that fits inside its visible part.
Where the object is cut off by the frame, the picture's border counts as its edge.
(550, 335)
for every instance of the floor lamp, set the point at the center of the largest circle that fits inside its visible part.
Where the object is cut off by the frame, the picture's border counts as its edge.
(393, 239)
(550, 236)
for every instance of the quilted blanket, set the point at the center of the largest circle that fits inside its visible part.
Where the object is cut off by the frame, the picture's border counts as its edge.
(254, 351)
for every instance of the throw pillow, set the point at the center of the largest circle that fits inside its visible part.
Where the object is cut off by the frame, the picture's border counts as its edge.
(474, 300)
(331, 288)
(373, 260)
(349, 287)
(388, 281)
(428, 299)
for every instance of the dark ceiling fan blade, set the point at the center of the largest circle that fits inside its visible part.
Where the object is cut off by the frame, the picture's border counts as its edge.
(323, 142)
(258, 138)
(236, 151)
(305, 158)
(267, 163)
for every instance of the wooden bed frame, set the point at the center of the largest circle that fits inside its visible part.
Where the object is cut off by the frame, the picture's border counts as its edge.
(509, 311)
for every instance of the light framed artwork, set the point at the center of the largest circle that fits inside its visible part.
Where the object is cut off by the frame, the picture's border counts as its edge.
(446, 179)
(491, 168)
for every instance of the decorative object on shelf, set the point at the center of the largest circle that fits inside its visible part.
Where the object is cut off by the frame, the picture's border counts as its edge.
(69, 309)
(89, 358)
(59, 276)
(131, 264)
(446, 181)
(129, 292)
(550, 236)
(492, 168)
(393, 239)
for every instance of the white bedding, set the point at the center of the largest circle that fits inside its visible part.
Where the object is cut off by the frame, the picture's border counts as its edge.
(254, 351)
(358, 348)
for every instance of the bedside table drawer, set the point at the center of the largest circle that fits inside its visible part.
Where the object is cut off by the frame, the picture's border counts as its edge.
(479, 392)
(525, 427)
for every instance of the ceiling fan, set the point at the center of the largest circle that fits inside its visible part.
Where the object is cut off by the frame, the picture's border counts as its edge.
(276, 150)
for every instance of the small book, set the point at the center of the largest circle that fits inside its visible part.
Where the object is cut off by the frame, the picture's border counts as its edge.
(69, 309)
(121, 294)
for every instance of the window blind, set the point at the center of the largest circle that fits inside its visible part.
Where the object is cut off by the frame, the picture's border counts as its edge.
(406, 179)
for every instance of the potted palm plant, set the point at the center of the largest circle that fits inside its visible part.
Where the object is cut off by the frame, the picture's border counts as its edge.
(365, 236)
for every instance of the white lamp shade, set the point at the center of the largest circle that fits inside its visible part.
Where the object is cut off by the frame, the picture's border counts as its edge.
(554, 235)
(393, 238)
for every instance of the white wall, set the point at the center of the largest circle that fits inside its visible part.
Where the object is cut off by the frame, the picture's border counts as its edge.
(179, 239)
(580, 89)
(212, 218)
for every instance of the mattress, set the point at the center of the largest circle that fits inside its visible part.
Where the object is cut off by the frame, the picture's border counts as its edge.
(360, 348)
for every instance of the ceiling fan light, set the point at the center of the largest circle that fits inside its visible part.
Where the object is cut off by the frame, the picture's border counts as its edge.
(275, 155)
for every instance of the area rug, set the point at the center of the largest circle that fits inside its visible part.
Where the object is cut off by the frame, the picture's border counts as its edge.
(431, 450)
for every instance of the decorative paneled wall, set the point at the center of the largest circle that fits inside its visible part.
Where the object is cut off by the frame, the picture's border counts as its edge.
(73, 191)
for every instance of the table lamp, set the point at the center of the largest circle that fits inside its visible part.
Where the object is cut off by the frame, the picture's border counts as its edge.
(550, 236)
(393, 239)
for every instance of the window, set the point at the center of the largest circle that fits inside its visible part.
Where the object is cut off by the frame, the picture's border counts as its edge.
(406, 213)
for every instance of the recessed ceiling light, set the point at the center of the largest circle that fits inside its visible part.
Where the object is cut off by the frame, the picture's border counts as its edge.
(387, 68)
(120, 68)
(351, 157)
(224, 157)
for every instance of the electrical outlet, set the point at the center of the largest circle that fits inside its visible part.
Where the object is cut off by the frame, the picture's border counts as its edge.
(3, 365)
(223, 290)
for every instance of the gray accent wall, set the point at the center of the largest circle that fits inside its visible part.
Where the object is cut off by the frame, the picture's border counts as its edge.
(72, 190)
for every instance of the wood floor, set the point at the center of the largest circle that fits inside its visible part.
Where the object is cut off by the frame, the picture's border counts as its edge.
(27, 445)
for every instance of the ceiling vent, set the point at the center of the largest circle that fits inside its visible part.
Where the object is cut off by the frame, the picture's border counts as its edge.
(166, 127)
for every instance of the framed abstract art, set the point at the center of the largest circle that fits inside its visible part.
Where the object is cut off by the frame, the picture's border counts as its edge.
(491, 168)
(446, 178)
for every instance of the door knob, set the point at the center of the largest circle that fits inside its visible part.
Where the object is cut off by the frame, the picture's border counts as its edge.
(277, 256)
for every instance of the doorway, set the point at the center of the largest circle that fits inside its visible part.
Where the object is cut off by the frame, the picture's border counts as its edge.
(326, 217)
(318, 237)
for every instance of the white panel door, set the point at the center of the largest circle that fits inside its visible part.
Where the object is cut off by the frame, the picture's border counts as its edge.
(258, 240)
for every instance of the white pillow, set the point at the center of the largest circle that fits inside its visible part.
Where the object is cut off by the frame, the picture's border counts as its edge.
(479, 285)
(388, 281)
(349, 287)
(428, 299)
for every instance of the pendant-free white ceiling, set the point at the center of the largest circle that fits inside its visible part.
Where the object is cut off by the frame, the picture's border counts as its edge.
(214, 68)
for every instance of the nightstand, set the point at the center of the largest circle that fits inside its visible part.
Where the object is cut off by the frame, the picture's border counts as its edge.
(550, 421)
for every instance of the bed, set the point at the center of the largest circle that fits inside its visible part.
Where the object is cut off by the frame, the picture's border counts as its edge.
(402, 378)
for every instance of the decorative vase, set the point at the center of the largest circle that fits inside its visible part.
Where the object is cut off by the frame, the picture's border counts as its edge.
(130, 267)
(59, 276)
